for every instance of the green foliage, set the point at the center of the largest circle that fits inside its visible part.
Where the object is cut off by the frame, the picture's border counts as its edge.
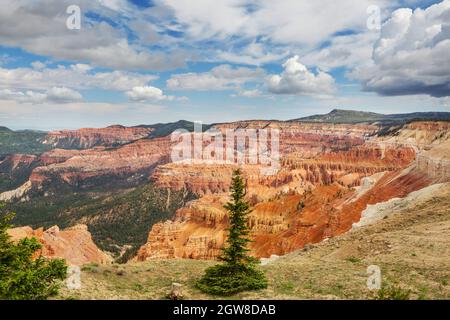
(128, 255)
(22, 275)
(344, 116)
(235, 253)
(238, 273)
(351, 116)
(165, 129)
(26, 142)
(393, 293)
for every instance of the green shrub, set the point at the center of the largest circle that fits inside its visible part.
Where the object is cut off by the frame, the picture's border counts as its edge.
(353, 259)
(393, 293)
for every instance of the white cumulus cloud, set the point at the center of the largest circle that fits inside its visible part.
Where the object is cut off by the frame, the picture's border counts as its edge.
(149, 93)
(412, 55)
(296, 79)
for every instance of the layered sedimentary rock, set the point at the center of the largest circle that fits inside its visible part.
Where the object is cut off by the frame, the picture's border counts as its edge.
(300, 144)
(16, 161)
(292, 127)
(422, 134)
(129, 163)
(16, 166)
(14, 172)
(317, 193)
(279, 225)
(295, 174)
(74, 244)
(88, 137)
(436, 162)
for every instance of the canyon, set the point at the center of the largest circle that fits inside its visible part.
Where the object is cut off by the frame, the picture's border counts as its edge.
(317, 194)
(329, 174)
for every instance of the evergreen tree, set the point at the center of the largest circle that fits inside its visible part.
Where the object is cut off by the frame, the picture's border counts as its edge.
(23, 276)
(238, 272)
(235, 253)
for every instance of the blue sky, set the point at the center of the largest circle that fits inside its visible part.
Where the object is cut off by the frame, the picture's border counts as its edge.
(138, 61)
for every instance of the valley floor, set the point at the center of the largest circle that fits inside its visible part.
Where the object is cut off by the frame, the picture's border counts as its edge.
(411, 246)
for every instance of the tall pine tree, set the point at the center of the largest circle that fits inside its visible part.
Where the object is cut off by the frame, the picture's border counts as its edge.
(238, 272)
(235, 253)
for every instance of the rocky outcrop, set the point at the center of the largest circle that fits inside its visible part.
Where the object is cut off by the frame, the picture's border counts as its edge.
(16, 194)
(88, 138)
(422, 134)
(436, 162)
(124, 166)
(14, 171)
(74, 244)
(309, 154)
(292, 127)
(15, 162)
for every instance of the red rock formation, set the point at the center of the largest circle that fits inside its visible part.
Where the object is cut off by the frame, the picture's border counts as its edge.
(311, 198)
(138, 159)
(88, 137)
(296, 173)
(280, 225)
(78, 167)
(74, 244)
(17, 165)
(12, 162)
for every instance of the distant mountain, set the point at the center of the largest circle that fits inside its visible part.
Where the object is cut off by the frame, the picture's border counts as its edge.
(350, 116)
(36, 142)
(443, 116)
(5, 129)
(164, 129)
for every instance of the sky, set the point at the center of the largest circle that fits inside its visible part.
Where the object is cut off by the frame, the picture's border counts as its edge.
(67, 64)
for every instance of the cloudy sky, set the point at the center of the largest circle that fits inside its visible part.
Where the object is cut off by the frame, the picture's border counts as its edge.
(147, 61)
